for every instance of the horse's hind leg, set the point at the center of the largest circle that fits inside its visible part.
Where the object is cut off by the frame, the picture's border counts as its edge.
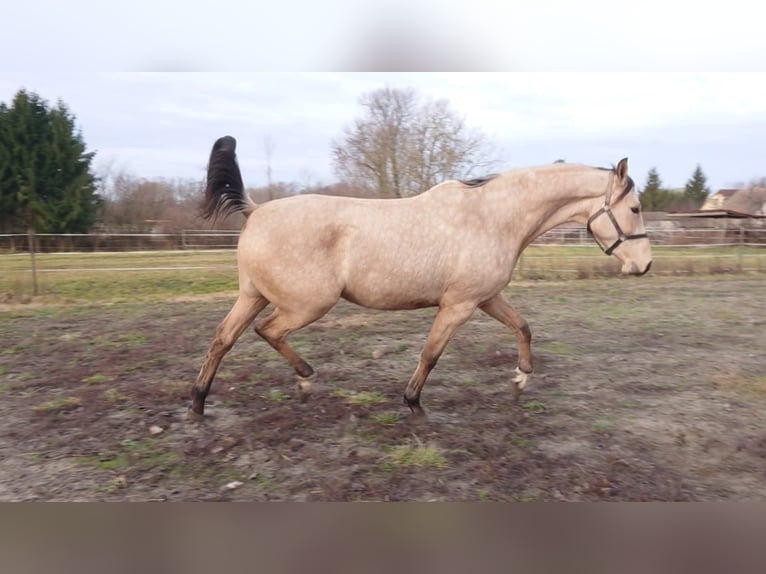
(276, 327)
(228, 331)
(446, 322)
(499, 308)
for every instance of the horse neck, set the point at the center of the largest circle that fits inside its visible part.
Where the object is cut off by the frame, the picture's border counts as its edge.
(558, 196)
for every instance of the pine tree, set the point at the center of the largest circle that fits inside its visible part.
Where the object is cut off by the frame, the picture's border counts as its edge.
(696, 190)
(654, 197)
(46, 181)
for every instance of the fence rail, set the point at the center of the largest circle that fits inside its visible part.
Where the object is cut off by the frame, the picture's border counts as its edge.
(97, 275)
(204, 239)
(678, 237)
(61, 242)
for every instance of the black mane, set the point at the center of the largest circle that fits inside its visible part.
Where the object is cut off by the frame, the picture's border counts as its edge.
(478, 181)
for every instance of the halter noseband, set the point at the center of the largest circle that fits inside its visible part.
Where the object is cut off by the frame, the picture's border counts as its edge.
(606, 209)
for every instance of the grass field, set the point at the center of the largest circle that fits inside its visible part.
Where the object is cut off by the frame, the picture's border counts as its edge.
(149, 275)
(119, 276)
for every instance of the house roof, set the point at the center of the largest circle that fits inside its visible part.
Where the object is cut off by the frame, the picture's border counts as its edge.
(749, 202)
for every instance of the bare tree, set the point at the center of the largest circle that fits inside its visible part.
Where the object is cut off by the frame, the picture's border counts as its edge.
(402, 145)
(145, 205)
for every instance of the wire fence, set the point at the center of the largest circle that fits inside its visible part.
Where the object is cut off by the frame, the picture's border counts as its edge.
(189, 239)
(61, 263)
(668, 236)
(96, 242)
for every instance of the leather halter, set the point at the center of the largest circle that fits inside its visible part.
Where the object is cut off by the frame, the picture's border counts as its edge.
(606, 209)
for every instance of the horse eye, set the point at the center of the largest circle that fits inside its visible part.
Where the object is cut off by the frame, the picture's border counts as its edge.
(635, 210)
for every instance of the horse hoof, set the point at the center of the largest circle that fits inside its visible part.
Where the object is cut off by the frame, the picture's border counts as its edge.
(416, 411)
(521, 379)
(193, 416)
(304, 388)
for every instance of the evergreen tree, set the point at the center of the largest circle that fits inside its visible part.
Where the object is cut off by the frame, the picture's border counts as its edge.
(654, 197)
(46, 181)
(696, 190)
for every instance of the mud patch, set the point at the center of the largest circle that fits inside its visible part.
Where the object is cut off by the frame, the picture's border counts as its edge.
(647, 389)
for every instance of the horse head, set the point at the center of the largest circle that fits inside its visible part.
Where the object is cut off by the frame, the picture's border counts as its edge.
(618, 226)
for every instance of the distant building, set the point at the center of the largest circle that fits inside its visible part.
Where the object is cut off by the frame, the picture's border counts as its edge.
(738, 202)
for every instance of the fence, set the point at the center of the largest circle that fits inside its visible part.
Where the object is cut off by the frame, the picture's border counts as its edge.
(70, 242)
(191, 269)
(668, 236)
(204, 239)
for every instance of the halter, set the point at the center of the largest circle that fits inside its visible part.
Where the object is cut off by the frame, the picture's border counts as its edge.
(606, 209)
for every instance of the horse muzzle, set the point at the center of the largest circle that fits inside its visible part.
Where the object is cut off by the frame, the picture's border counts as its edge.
(633, 268)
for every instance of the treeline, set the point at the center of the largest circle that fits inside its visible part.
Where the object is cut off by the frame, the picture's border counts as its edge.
(656, 197)
(400, 144)
(134, 205)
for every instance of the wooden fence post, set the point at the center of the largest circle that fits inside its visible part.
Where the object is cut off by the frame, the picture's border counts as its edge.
(31, 240)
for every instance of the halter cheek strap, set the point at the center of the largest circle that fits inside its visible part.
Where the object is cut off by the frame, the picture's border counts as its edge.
(606, 209)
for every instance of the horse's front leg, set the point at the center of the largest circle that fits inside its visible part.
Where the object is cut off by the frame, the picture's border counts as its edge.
(446, 322)
(499, 308)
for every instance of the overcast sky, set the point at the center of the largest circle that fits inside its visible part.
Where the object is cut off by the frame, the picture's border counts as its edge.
(163, 124)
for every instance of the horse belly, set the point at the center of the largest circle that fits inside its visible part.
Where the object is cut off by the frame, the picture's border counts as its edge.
(392, 287)
(387, 301)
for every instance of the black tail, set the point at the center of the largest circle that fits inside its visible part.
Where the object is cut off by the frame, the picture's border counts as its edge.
(224, 192)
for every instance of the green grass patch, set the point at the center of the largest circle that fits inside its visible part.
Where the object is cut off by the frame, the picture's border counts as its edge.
(534, 406)
(557, 348)
(12, 350)
(120, 341)
(602, 424)
(96, 379)
(115, 484)
(631, 404)
(115, 396)
(349, 337)
(524, 497)
(361, 398)
(389, 418)
(264, 481)
(146, 454)
(421, 456)
(519, 441)
(277, 396)
(115, 462)
(483, 495)
(58, 405)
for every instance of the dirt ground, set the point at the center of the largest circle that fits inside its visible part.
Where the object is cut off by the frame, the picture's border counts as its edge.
(644, 389)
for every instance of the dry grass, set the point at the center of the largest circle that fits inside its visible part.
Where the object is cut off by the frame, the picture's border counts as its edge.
(748, 386)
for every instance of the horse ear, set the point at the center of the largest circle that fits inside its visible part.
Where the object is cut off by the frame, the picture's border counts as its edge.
(622, 169)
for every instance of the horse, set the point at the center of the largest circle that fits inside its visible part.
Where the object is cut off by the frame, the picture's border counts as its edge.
(453, 247)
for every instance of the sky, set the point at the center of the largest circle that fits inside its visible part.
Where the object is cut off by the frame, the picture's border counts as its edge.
(163, 124)
(667, 83)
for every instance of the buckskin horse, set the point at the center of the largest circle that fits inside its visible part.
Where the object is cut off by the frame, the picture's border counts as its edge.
(453, 247)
